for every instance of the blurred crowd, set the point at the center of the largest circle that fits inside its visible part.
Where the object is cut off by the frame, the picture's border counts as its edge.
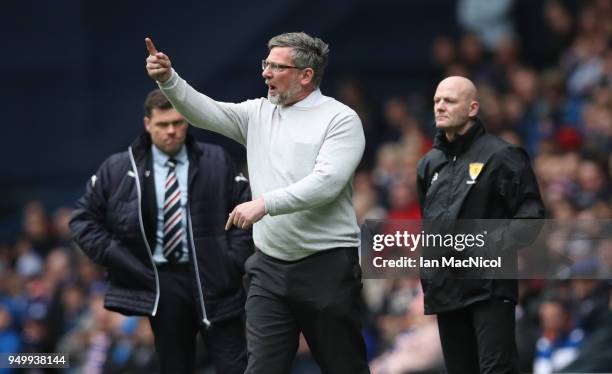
(51, 300)
(557, 104)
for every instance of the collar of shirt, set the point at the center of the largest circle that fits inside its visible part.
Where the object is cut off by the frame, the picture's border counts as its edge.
(160, 158)
(313, 99)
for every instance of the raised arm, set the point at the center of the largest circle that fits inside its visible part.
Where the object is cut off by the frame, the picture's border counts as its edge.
(228, 119)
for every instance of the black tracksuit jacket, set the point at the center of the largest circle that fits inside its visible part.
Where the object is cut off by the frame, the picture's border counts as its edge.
(114, 223)
(505, 188)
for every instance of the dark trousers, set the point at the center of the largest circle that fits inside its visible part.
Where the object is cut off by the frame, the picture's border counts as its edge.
(480, 338)
(319, 296)
(176, 325)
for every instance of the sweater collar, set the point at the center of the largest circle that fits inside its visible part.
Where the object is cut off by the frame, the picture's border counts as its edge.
(313, 99)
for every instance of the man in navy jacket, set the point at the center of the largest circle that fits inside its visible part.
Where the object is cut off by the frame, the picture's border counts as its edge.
(472, 175)
(166, 184)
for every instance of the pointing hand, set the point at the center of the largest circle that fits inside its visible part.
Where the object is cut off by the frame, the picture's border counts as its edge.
(159, 66)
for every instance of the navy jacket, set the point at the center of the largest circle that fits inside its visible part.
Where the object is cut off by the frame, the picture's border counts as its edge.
(114, 223)
(503, 188)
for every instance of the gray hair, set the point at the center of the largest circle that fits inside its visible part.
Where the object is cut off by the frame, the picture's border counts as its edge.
(308, 52)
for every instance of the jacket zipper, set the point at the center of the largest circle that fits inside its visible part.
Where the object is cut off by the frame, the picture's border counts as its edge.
(450, 195)
(205, 320)
(142, 231)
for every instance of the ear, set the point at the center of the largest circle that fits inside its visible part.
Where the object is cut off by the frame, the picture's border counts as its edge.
(474, 107)
(147, 123)
(307, 76)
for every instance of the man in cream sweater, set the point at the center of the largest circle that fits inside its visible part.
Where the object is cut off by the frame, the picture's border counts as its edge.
(302, 151)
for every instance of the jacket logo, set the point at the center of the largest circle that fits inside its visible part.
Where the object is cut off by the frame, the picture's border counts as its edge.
(240, 178)
(475, 169)
(434, 178)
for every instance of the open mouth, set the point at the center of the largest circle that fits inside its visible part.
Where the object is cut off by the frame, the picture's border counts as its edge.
(271, 87)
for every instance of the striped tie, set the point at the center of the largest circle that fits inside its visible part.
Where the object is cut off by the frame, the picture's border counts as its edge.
(173, 216)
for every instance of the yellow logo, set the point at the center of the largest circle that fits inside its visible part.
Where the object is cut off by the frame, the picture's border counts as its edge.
(475, 169)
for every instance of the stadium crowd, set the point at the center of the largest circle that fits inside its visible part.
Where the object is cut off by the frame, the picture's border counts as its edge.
(556, 104)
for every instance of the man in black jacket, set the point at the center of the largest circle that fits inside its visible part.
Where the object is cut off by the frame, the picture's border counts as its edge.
(474, 175)
(154, 218)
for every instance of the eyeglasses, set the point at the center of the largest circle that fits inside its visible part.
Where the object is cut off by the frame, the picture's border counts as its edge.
(277, 68)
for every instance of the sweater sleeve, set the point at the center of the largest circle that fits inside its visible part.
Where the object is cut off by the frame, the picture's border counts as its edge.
(335, 164)
(227, 119)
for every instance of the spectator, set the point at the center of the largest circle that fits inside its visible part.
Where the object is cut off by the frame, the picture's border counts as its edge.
(10, 341)
(559, 342)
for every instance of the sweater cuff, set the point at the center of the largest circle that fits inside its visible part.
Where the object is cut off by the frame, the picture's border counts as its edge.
(270, 203)
(171, 82)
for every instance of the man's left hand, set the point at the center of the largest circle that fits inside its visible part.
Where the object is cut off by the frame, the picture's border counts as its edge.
(246, 214)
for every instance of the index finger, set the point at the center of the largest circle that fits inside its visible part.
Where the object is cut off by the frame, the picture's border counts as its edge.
(150, 46)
